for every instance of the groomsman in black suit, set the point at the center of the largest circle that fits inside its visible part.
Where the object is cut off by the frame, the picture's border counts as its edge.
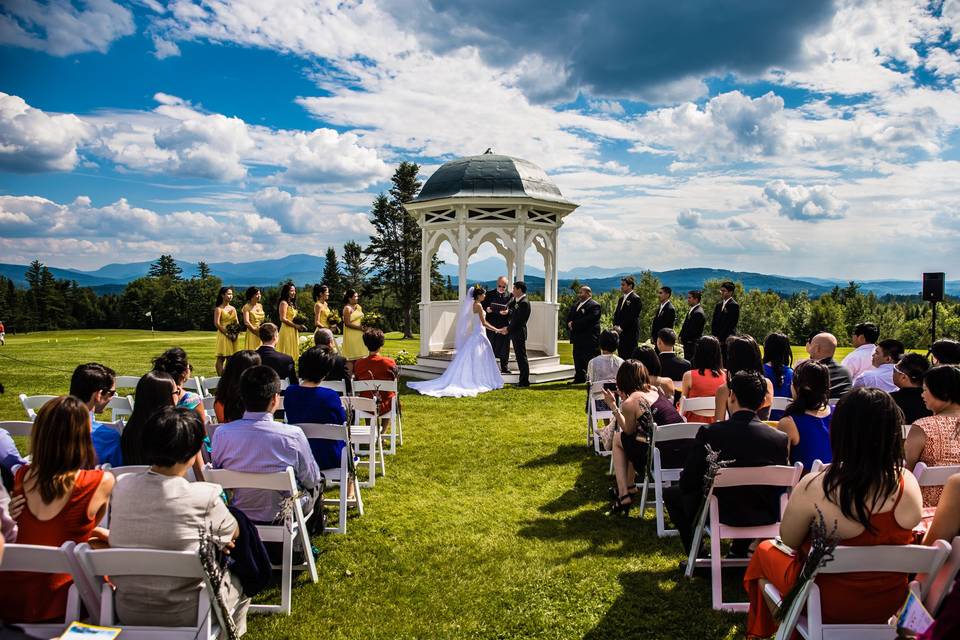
(665, 316)
(517, 330)
(497, 305)
(626, 318)
(583, 321)
(726, 315)
(693, 324)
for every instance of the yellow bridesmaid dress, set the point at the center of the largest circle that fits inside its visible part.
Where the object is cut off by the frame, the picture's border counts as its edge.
(257, 317)
(323, 317)
(289, 341)
(353, 347)
(225, 346)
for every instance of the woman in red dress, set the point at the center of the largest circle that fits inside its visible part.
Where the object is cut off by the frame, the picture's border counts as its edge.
(376, 367)
(873, 500)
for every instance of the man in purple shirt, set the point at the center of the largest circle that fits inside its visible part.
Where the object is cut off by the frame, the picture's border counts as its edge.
(257, 444)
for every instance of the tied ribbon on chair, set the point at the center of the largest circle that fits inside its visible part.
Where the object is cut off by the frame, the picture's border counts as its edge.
(714, 464)
(318, 523)
(822, 546)
(214, 577)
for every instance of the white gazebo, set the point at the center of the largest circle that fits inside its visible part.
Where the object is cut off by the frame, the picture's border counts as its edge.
(513, 205)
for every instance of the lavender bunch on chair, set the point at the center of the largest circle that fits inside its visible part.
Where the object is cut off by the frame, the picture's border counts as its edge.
(822, 546)
(214, 577)
(714, 464)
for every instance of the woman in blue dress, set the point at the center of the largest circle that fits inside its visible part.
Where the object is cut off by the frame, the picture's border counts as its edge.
(778, 367)
(807, 419)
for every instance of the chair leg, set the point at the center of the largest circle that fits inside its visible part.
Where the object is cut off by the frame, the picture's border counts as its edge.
(342, 516)
(716, 567)
(359, 498)
(643, 497)
(286, 573)
(383, 460)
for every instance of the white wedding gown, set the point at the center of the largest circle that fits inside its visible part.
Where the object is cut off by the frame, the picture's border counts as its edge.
(474, 368)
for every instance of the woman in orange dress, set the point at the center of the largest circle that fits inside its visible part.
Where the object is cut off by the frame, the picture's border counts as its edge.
(66, 498)
(935, 440)
(704, 378)
(376, 367)
(873, 500)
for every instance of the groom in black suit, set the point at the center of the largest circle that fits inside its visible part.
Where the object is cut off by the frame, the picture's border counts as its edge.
(517, 330)
(497, 305)
(626, 318)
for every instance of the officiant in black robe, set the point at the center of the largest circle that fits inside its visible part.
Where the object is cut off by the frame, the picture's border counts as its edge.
(496, 305)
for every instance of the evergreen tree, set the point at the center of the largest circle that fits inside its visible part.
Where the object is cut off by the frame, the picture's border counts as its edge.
(333, 278)
(203, 270)
(395, 246)
(355, 268)
(165, 267)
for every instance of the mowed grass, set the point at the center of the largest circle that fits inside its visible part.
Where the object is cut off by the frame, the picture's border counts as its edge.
(489, 523)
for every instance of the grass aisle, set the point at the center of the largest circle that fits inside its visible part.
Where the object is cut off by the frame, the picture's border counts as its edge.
(489, 523)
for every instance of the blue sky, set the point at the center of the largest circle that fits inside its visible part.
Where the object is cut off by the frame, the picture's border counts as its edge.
(814, 138)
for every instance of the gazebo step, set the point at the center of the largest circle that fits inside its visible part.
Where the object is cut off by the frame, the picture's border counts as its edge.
(536, 359)
(538, 374)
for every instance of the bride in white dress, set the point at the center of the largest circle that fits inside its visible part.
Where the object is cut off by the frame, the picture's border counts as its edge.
(474, 368)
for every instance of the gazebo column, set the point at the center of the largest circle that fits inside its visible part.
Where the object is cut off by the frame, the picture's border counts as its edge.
(426, 259)
(463, 258)
(521, 241)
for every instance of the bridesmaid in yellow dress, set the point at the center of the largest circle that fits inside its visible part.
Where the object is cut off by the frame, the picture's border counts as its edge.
(224, 315)
(353, 347)
(253, 317)
(289, 341)
(321, 308)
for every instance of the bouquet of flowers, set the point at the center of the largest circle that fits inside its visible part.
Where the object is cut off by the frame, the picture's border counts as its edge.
(233, 331)
(405, 358)
(301, 322)
(374, 320)
(334, 320)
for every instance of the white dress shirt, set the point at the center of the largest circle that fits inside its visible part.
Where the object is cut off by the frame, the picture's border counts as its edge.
(879, 378)
(859, 360)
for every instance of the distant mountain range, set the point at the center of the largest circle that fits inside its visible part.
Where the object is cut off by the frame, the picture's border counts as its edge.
(303, 268)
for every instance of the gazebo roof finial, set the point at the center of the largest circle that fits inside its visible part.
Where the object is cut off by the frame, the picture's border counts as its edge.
(489, 151)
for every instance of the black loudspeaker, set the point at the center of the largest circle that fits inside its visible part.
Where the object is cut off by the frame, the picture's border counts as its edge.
(933, 287)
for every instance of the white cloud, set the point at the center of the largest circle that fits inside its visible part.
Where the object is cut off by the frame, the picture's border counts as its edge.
(32, 141)
(689, 219)
(302, 214)
(60, 28)
(810, 204)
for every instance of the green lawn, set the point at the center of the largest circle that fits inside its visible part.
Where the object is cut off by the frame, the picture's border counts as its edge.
(489, 523)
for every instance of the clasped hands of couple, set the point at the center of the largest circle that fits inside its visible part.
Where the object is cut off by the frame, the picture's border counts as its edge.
(503, 330)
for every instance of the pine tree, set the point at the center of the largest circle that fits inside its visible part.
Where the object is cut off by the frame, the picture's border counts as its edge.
(333, 278)
(203, 270)
(165, 267)
(395, 247)
(355, 268)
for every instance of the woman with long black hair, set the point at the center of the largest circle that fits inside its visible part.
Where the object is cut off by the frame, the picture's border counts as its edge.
(807, 419)
(778, 367)
(155, 390)
(225, 320)
(289, 341)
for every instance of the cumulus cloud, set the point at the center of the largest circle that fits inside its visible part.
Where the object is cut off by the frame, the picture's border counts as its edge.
(60, 28)
(304, 214)
(807, 204)
(689, 219)
(33, 141)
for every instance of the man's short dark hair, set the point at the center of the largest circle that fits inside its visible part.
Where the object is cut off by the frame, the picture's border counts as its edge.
(667, 336)
(609, 341)
(729, 286)
(695, 293)
(893, 349)
(946, 351)
(315, 364)
(89, 378)
(913, 365)
(373, 339)
(258, 386)
(868, 330)
(750, 389)
(323, 337)
(268, 332)
(629, 281)
(667, 290)
(173, 435)
(520, 284)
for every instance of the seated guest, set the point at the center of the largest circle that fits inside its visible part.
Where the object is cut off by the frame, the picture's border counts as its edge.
(945, 351)
(280, 362)
(747, 442)
(865, 336)
(604, 366)
(308, 402)
(946, 519)
(778, 368)
(885, 357)
(174, 361)
(706, 376)
(95, 385)
(648, 356)
(228, 405)
(160, 509)
(8, 526)
(743, 354)
(638, 393)
(376, 367)
(671, 365)
(908, 376)
(807, 419)
(822, 347)
(66, 498)
(155, 390)
(9, 458)
(257, 444)
(872, 500)
(323, 338)
(935, 440)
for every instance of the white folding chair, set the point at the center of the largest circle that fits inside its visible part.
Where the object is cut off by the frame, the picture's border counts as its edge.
(292, 531)
(32, 558)
(833, 402)
(20, 428)
(395, 436)
(941, 584)
(665, 477)
(908, 559)
(702, 406)
(195, 384)
(147, 564)
(209, 385)
(365, 435)
(208, 402)
(780, 404)
(339, 477)
(337, 385)
(284, 384)
(595, 415)
(121, 407)
(934, 476)
(769, 476)
(819, 466)
(127, 382)
(32, 403)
